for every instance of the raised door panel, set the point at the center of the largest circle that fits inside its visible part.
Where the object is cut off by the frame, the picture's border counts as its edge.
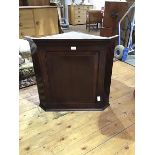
(72, 78)
(46, 21)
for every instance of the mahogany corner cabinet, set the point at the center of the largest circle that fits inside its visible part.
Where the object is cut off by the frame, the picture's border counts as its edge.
(73, 71)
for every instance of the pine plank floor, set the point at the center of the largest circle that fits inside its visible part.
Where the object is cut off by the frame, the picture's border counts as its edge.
(109, 132)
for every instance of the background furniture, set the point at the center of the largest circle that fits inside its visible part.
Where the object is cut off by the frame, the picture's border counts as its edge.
(60, 9)
(93, 17)
(73, 71)
(38, 2)
(77, 13)
(23, 3)
(113, 12)
(34, 2)
(38, 21)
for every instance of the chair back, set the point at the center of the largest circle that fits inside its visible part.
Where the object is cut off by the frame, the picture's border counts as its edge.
(94, 16)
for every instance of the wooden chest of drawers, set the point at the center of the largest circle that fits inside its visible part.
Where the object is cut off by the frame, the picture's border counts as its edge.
(77, 13)
(38, 21)
(73, 71)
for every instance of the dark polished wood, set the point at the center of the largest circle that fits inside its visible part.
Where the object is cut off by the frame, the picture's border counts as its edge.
(106, 31)
(113, 12)
(70, 79)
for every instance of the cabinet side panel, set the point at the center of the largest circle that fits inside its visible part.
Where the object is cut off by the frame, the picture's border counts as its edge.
(108, 70)
(40, 79)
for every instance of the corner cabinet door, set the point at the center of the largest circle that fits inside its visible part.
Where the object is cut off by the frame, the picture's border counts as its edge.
(46, 21)
(72, 78)
(71, 73)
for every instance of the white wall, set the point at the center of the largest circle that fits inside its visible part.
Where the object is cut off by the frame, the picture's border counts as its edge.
(100, 3)
(97, 3)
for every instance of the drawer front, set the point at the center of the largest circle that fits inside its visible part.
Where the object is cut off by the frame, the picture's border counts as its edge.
(78, 8)
(25, 14)
(88, 7)
(28, 31)
(78, 16)
(26, 24)
(80, 12)
(80, 21)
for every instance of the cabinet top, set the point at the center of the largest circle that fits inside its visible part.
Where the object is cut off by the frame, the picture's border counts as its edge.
(75, 35)
(33, 7)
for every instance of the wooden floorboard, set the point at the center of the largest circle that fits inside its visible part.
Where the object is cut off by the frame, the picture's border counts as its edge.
(109, 132)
